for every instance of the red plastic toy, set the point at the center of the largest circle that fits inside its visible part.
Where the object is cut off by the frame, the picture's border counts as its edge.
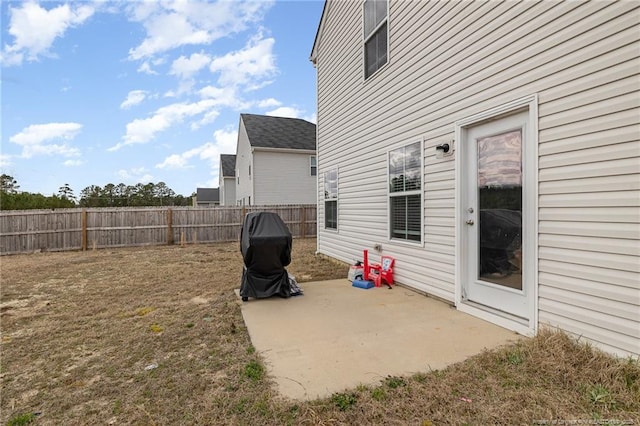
(379, 272)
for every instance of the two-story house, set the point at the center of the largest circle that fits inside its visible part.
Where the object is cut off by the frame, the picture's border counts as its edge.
(206, 197)
(227, 179)
(275, 161)
(493, 149)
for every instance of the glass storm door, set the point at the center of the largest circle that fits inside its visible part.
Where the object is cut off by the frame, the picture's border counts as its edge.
(494, 272)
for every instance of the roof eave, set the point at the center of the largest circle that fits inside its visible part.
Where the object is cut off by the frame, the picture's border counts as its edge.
(314, 50)
(285, 150)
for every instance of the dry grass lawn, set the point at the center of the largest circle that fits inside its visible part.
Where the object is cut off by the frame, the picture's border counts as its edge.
(155, 336)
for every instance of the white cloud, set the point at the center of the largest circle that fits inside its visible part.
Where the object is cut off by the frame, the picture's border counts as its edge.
(73, 163)
(256, 85)
(5, 160)
(175, 161)
(185, 67)
(293, 112)
(134, 97)
(251, 65)
(178, 23)
(184, 86)
(224, 141)
(146, 68)
(36, 139)
(212, 92)
(267, 103)
(208, 118)
(135, 175)
(51, 149)
(313, 118)
(290, 112)
(143, 130)
(35, 29)
(223, 97)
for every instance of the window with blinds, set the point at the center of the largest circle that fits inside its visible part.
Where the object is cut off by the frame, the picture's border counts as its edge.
(331, 199)
(405, 192)
(375, 35)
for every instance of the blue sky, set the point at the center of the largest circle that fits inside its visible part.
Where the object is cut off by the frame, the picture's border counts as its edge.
(98, 92)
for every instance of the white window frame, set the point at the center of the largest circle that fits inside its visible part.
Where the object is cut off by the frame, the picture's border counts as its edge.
(406, 193)
(313, 166)
(367, 37)
(325, 198)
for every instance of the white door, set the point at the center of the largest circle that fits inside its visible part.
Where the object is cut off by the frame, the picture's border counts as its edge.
(496, 223)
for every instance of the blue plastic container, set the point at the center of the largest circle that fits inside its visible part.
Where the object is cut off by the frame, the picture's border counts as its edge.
(362, 284)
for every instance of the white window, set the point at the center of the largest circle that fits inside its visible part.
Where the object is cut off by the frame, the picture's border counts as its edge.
(376, 35)
(405, 192)
(331, 199)
(313, 162)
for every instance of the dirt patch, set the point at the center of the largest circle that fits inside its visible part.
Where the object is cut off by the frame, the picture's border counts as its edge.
(155, 336)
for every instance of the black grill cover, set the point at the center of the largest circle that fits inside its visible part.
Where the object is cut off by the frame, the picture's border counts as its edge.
(500, 236)
(499, 228)
(265, 244)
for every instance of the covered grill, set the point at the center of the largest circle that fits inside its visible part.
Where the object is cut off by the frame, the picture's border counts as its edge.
(265, 244)
(500, 237)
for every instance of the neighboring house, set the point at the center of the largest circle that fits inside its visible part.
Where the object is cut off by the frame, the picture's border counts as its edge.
(531, 217)
(207, 197)
(275, 161)
(227, 180)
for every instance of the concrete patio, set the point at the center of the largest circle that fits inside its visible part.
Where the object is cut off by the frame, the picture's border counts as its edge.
(337, 336)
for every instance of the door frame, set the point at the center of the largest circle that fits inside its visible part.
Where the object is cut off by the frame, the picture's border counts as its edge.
(530, 104)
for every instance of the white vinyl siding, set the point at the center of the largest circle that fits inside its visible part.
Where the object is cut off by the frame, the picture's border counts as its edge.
(244, 186)
(228, 191)
(282, 178)
(580, 58)
(589, 199)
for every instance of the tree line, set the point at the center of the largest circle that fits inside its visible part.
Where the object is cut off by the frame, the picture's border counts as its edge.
(120, 195)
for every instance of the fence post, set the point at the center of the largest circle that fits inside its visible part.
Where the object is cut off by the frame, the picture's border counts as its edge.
(169, 227)
(303, 229)
(83, 216)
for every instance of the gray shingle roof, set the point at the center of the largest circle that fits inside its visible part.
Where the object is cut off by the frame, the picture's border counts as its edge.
(278, 132)
(204, 195)
(228, 165)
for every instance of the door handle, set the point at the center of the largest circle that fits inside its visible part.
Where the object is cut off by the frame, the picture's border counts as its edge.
(469, 222)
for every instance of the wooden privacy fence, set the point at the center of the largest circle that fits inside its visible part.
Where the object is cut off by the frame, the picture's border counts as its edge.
(27, 231)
